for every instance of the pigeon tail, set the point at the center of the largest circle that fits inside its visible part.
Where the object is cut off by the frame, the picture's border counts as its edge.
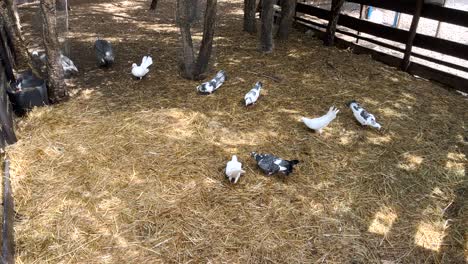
(290, 166)
(146, 62)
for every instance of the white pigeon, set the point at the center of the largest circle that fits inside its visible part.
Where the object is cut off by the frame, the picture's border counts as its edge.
(319, 123)
(252, 96)
(362, 116)
(234, 169)
(212, 85)
(142, 70)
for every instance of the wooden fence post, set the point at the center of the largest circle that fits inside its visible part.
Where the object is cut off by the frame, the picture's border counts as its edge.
(333, 20)
(8, 246)
(412, 33)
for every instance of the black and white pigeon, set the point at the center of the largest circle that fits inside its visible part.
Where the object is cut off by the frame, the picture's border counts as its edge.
(212, 85)
(67, 64)
(362, 116)
(271, 164)
(104, 52)
(252, 96)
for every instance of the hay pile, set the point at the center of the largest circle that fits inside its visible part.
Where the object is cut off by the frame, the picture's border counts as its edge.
(132, 171)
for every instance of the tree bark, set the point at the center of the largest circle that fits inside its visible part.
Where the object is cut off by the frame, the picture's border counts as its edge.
(266, 36)
(188, 56)
(288, 9)
(331, 28)
(249, 16)
(154, 4)
(57, 88)
(206, 46)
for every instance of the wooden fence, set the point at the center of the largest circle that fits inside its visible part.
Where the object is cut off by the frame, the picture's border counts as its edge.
(7, 134)
(409, 38)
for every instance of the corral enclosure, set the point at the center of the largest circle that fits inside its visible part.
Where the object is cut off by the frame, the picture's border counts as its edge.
(132, 171)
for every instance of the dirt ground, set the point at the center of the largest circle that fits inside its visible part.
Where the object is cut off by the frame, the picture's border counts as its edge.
(131, 171)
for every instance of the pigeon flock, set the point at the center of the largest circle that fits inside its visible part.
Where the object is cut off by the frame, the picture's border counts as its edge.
(267, 163)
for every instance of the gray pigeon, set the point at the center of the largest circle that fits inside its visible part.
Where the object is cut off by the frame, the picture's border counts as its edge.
(104, 52)
(271, 164)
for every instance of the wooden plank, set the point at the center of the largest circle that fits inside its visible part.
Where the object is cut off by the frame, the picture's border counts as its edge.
(394, 34)
(402, 6)
(412, 33)
(5, 52)
(7, 134)
(332, 21)
(444, 14)
(8, 248)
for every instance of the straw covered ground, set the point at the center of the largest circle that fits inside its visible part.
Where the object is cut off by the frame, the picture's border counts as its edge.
(132, 171)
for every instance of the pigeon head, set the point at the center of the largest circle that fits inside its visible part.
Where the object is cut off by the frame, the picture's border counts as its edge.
(248, 101)
(203, 88)
(134, 65)
(351, 102)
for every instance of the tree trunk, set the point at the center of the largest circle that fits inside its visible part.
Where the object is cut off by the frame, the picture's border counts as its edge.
(266, 37)
(13, 10)
(22, 57)
(186, 14)
(206, 46)
(331, 28)
(259, 7)
(288, 9)
(249, 16)
(184, 19)
(153, 5)
(57, 88)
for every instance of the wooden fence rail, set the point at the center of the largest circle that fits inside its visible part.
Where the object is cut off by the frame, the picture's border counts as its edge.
(442, 46)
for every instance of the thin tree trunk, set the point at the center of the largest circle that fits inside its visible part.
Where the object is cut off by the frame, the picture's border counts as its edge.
(288, 9)
(154, 4)
(249, 16)
(331, 28)
(57, 88)
(412, 33)
(207, 40)
(266, 36)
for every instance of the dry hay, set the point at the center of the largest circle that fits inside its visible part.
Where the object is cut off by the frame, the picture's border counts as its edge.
(132, 171)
